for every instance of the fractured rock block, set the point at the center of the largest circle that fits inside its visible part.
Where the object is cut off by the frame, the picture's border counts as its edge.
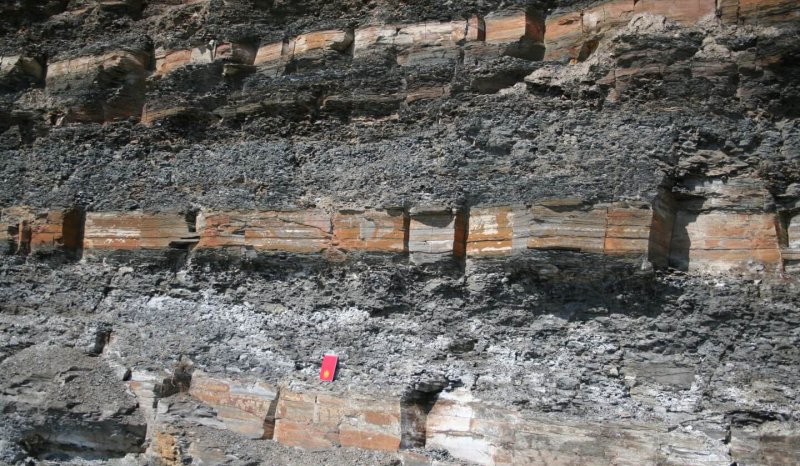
(335, 40)
(221, 229)
(245, 408)
(467, 35)
(168, 61)
(299, 424)
(568, 35)
(297, 407)
(300, 231)
(436, 234)
(449, 426)
(150, 387)
(568, 228)
(8, 236)
(431, 44)
(720, 241)
(315, 49)
(520, 32)
(272, 59)
(495, 231)
(383, 231)
(49, 232)
(25, 229)
(302, 435)
(560, 225)
(120, 60)
(681, 11)
(99, 88)
(564, 36)
(433, 34)
(325, 421)
(135, 230)
(368, 440)
(735, 193)
(607, 16)
(513, 26)
(371, 424)
(430, 33)
(308, 47)
(491, 231)
(627, 231)
(270, 54)
(292, 231)
(574, 35)
(372, 39)
(475, 29)
(402, 38)
(472, 430)
(146, 387)
(159, 231)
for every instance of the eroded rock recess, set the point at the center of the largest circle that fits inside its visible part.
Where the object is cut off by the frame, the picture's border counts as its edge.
(555, 232)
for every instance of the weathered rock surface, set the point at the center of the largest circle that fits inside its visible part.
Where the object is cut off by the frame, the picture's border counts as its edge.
(60, 403)
(534, 232)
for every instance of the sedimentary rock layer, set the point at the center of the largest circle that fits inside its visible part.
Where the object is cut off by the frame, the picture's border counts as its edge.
(245, 408)
(532, 231)
(573, 36)
(528, 34)
(136, 230)
(468, 428)
(35, 230)
(710, 242)
(323, 421)
(718, 241)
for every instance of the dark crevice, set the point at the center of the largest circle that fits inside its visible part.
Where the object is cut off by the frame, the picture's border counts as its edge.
(414, 408)
(76, 438)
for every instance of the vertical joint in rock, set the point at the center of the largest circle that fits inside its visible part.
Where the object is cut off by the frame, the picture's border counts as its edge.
(406, 231)
(460, 234)
(414, 408)
(663, 222)
(73, 229)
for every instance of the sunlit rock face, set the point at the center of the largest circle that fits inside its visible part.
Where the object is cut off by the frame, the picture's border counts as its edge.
(533, 232)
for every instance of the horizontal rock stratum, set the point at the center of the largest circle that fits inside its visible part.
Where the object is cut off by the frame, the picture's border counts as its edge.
(715, 241)
(120, 74)
(532, 232)
(468, 428)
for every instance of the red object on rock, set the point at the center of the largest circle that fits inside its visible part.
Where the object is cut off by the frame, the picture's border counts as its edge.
(328, 369)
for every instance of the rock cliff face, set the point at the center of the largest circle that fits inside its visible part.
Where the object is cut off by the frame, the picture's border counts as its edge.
(534, 232)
